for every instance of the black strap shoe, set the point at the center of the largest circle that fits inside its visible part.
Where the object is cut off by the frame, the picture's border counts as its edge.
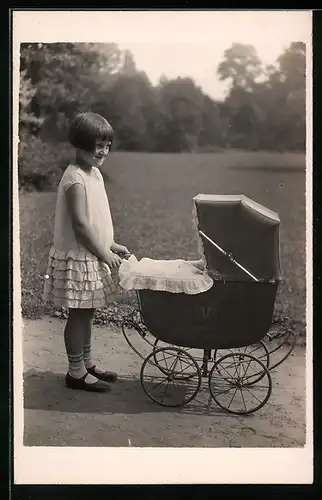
(105, 377)
(81, 384)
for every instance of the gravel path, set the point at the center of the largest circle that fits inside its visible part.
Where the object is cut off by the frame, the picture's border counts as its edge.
(56, 416)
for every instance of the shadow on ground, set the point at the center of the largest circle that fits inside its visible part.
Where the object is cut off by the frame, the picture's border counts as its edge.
(270, 170)
(46, 391)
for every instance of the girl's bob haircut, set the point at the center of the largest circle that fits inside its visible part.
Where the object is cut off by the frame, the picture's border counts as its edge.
(87, 128)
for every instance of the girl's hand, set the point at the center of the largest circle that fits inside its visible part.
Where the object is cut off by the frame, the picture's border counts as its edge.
(120, 250)
(113, 260)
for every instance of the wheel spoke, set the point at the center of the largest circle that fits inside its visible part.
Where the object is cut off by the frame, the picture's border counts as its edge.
(248, 365)
(175, 383)
(166, 358)
(259, 350)
(239, 370)
(165, 391)
(226, 397)
(236, 367)
(184, 369)
(255, 349)
(174, 364)
(233, 397)
(251, 376)
(225, 391)
(171, 356)
(162, 381)
(229, 375)
(247, 389)
(242, 395)
(228, 365)
(176, 390)
(257, 387)
(165, 361)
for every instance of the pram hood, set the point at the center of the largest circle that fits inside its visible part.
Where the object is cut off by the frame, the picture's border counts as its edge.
(239, 238)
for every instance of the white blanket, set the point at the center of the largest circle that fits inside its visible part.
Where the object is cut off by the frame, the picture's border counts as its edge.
(175, 276)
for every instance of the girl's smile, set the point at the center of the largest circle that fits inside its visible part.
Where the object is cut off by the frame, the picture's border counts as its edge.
(102, 149)
(98, 156)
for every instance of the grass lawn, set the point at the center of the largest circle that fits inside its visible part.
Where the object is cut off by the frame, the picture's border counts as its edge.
(151, 202)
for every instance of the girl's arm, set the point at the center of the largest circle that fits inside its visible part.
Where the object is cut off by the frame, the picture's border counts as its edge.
(120, 250)
(76, 200)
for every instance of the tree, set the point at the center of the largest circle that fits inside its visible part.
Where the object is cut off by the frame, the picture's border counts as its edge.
(285, 98)
(242, 68)
(213, 130)
(67, 78)
(64, 71)
(270, 112)
(292, 65)
(60, 79)
(182, 107)
(27, 120)
(240, 65)
(128, 67)
(130, 105)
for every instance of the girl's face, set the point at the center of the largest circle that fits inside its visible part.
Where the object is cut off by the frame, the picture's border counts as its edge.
(98, 156)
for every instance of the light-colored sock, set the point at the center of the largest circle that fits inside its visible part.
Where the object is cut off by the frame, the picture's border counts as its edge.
(77, 368)
(87, 354)
(76, 365)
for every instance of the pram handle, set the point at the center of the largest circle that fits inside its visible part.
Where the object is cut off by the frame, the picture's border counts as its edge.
(229, 255)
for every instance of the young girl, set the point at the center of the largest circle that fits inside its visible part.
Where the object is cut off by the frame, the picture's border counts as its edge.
(84, 252)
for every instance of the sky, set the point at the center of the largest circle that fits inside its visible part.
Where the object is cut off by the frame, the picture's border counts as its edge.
(199, 57)
(174, 43)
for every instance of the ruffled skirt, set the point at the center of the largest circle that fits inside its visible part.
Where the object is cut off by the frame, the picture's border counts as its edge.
(77, 280)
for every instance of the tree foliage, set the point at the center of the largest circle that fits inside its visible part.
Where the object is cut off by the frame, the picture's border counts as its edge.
(266, 112)
(240, 66)
(264, 106)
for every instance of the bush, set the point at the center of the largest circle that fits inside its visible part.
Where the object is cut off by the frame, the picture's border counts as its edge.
(41, 164)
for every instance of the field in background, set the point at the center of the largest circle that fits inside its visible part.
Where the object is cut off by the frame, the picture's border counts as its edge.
(151, 202)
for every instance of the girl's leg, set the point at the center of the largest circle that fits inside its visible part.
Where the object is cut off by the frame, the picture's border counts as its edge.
(87, 346)
(88, 361)
(77, 326)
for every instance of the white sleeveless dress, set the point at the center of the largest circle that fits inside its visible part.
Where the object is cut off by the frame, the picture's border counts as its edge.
(75, 278)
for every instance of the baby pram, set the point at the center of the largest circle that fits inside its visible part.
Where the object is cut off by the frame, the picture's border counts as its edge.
(229, 322)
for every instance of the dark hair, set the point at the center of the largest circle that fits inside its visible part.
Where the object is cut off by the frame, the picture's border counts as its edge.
(87, 128)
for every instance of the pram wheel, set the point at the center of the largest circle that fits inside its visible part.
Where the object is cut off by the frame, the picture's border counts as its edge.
(258, 350)
(158, 357)
(174, 380)
(279, 346)
(246, 385)
(138, 337)
(195, 353)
